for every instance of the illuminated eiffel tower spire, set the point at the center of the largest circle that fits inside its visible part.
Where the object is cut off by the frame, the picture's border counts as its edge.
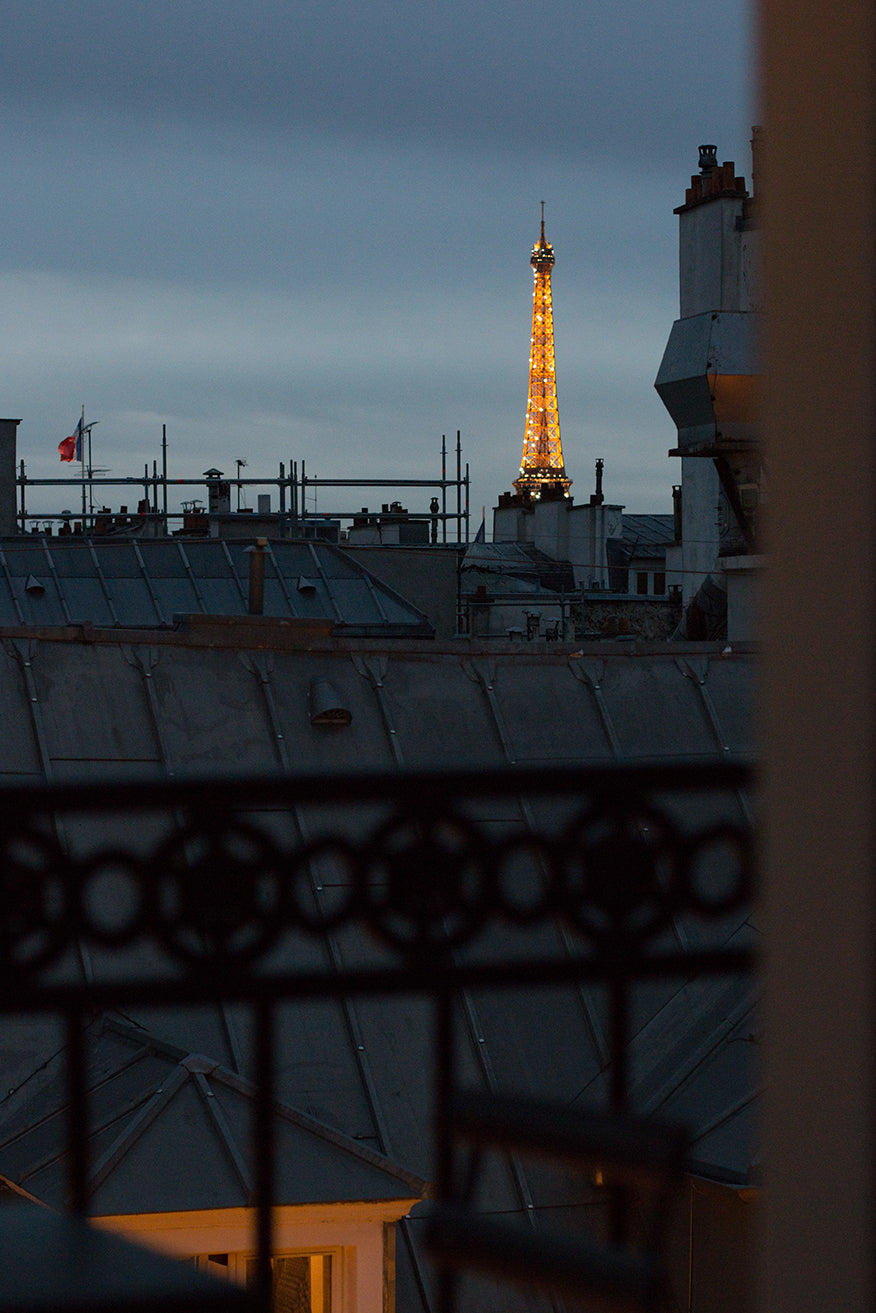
(541, 467)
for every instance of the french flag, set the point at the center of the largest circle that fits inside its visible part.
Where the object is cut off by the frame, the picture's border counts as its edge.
(71, 448)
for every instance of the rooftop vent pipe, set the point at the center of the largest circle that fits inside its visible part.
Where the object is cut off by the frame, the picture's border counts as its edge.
(257, 576)
(326, 705)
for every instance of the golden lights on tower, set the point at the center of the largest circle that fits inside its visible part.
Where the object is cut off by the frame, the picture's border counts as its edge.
(542, 472)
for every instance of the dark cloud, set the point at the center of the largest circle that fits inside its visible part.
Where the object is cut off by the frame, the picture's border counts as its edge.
(290, 230)
(537, 76)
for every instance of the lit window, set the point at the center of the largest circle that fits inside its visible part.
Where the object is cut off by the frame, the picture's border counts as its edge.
(301, 1282)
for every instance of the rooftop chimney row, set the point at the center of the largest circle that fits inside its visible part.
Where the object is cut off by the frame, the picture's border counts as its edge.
(718, 181)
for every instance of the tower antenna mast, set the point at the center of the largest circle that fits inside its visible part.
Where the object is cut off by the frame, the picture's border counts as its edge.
(542, 471)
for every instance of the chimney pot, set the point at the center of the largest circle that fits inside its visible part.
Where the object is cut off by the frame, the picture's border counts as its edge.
(708, 158)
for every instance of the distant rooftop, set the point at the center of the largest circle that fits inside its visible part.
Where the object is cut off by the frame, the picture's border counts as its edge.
(649, 530)
(145, 583)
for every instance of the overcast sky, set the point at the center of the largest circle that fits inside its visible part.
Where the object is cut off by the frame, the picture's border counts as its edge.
(303, 232)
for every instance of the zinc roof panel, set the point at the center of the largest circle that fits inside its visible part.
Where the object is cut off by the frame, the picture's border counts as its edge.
(655, 709)
(176, 595)
(162, 558)
(221, 596)
(176, 1163)
(551, 717)
(334, 564)
(397, 1038)
(732, 687)
(275, 599)
(209, 561)
(92, 703)
(74, 562)
(355, 601)
(364, 742)
(439, 713)
(86, 599)
(8, 613)
(133, 601)
(40, 608)
(318, 1069)
(24, 558)
(19, 754)
(210, 711)
(540, 1042)
(649, 529)
(117, 560)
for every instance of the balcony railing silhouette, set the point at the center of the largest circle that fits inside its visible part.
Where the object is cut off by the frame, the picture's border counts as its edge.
(214, 882)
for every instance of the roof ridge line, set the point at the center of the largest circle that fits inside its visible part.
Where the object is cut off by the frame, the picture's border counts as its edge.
(147, 1114)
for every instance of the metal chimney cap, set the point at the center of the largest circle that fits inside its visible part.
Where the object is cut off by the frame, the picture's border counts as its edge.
(34, 586)
(708, 158)
(326, 705)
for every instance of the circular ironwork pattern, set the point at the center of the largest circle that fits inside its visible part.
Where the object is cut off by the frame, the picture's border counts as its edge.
(423, 883)
(112, 903)
(324, 878)
(621, 880)
(220, 891)
(526, 876)
(36, 917)
(733, 886)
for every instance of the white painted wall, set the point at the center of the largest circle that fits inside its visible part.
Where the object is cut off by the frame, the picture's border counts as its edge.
(714, 258)
(743, 575)
(699, 523)
(511, 524)
(352, 1233)
(566, 532)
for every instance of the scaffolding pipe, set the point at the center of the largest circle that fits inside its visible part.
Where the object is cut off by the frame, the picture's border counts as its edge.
(297, 513)
(444, 483)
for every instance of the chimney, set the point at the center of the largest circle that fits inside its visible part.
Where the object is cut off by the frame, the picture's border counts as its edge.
(8, 435)
(597, 498)
(257, 576)
(708, 158)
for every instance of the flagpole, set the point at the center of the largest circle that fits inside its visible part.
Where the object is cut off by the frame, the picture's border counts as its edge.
(82, 470)
(90, 466)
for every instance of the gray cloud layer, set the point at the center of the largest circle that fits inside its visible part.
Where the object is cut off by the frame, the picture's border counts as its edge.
(305, 231)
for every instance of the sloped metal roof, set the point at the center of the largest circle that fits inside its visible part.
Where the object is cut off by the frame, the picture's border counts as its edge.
(146, 583)
(143, 705)
(149, 705)
(171, 1132)
(521, 561)
(644, 537)
(649, 530)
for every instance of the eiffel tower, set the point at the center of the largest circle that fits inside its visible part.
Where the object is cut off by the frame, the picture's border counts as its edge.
(542, 473)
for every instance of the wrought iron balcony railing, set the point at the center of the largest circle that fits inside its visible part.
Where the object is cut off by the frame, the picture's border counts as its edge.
(215, 884)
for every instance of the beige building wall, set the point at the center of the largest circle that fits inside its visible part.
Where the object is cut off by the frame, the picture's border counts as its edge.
(820, 349)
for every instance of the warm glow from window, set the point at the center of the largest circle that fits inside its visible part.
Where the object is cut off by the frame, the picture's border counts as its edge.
(302, 1282)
